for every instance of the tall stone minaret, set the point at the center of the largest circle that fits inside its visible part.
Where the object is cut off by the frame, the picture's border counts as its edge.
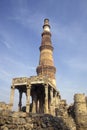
(46, 64)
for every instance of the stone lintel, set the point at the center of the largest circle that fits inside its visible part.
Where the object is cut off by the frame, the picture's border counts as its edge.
(20, 84)
(19, 81)
(37, 82)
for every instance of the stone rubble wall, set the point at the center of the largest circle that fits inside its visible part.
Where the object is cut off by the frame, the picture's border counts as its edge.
(62, 112)
(4, 106)
(23, 121)
(72, 117)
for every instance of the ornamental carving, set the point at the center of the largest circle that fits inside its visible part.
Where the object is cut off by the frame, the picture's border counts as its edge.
(19, 80)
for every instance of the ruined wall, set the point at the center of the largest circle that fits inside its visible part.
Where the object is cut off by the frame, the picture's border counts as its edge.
(80, 108)
(23, 121)
(4, 106)
(62, 121)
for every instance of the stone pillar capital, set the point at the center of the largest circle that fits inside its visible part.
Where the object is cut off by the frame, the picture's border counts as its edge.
(12, 86)
(28, 86)
(51, 89)
(20, 91)
(56, 93)
(46, 85)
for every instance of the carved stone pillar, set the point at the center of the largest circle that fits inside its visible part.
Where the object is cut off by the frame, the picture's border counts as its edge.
(41, 102)
(51, 104)
(28, 99)
(38, 109)
(51, 95)
(34, 103)
(46, 99)
(12, 97)
(56, 98)
(20, 100)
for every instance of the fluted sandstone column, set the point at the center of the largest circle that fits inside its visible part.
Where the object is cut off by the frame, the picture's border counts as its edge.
(20, 101)
(41, 109)
(28, 99)
(55, 98)
(12, 96)
(34, 103)
(51, 105)
(51, 94)
(38, 108)
(58, 98)
(46, 99)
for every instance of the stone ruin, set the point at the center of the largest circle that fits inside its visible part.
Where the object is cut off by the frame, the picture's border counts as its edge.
(46, 110)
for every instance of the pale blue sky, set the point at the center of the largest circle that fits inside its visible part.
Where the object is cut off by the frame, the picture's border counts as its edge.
(21, 24)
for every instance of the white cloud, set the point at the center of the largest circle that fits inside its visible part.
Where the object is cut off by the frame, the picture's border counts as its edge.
(5, 38)
(6, 43)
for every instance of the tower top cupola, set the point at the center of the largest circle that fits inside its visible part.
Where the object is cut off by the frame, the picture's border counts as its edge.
(46, 26)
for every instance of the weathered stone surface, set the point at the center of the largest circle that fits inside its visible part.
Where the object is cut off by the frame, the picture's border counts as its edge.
(33, 122)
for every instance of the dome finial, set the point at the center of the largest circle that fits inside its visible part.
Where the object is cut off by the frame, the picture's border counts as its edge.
(46, 26)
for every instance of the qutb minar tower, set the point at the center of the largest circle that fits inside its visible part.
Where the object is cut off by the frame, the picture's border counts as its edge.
(46, 64)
